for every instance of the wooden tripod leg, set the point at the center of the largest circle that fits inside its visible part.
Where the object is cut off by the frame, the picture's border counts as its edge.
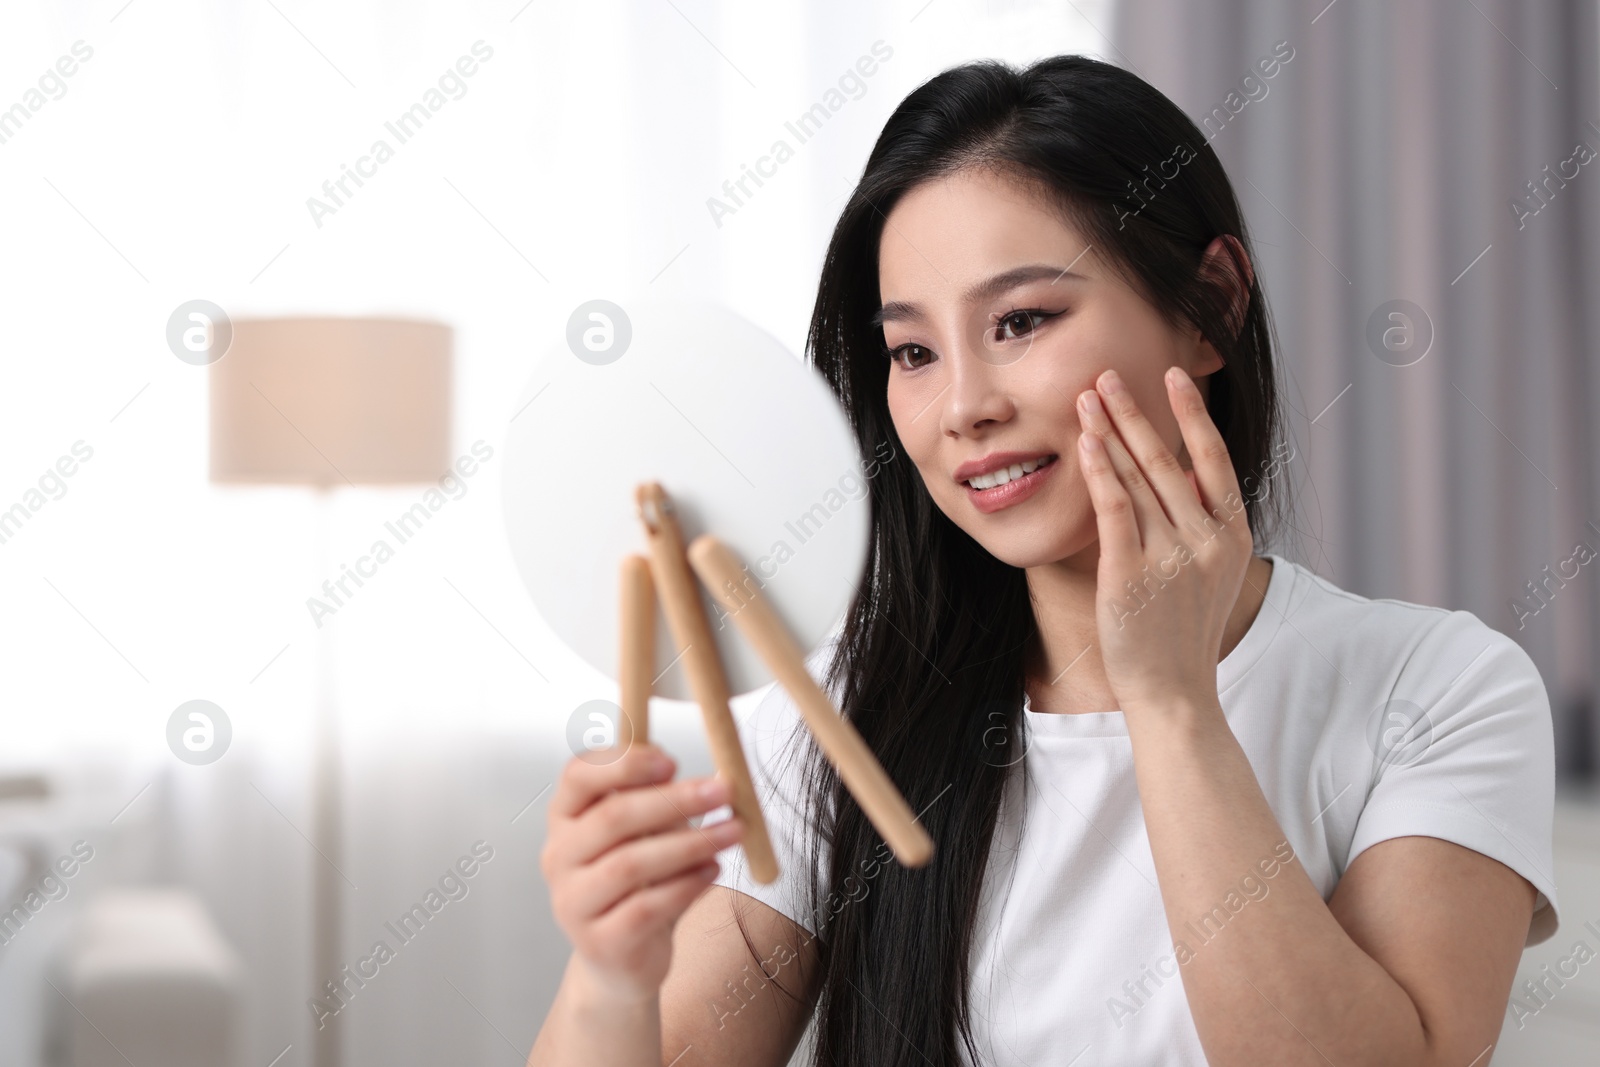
(680, 598)
(638, 653)
(722, 573)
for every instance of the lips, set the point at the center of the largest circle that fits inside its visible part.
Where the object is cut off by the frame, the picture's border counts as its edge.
(1016, 463)
(1013, 492)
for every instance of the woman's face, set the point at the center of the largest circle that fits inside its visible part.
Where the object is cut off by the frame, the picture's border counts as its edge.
(997, 316)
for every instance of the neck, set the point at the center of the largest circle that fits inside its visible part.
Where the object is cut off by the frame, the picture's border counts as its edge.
(1065, 674)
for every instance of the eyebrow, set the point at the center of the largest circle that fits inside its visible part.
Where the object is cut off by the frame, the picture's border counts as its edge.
(1005, 281)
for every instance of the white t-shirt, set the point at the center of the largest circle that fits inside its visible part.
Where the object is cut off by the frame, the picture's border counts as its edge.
(1325, 693)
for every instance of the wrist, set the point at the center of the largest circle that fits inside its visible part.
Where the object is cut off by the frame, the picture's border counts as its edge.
(609, 990)
(1178, 711)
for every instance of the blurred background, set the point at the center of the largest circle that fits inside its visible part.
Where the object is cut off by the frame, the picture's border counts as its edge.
(371, 763)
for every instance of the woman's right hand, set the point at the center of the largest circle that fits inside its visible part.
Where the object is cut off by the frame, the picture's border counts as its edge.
(623, 863)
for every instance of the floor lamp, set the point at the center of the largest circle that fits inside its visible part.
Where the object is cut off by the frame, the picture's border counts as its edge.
(324, 403)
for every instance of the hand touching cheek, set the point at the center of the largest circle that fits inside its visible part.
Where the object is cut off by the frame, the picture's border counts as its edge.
(1174, 543)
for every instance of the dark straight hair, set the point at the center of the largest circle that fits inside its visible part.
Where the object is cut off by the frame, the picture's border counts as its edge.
(929, 661)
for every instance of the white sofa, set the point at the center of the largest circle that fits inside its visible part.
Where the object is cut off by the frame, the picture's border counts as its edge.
(151, 981)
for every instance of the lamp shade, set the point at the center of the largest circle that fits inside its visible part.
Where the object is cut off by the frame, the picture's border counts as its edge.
(332, 401)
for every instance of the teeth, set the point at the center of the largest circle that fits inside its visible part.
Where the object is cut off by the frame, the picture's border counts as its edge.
(1006, 474)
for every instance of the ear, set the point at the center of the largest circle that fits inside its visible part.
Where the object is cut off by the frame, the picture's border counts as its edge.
(1226, 263)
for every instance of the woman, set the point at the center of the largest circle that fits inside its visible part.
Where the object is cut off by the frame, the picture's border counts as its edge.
(1192, 804)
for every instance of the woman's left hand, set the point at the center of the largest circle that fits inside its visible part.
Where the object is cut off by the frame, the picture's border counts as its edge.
(1174, 543)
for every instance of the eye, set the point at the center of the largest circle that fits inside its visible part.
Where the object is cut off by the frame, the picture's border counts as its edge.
(1020, 320)
(898, 351)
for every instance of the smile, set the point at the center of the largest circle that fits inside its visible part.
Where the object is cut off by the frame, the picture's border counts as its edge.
(1007, 474)
(1009, 485)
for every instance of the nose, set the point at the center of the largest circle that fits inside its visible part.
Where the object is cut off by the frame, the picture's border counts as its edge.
(976, 396)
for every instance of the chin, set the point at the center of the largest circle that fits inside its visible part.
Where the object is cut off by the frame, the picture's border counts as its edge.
(1033, 546)
(1022, 559)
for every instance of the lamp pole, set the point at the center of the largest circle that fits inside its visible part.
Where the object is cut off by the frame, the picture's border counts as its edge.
(327, 899)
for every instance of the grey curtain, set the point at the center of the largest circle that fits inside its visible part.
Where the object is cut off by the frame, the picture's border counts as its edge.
(1422, 182)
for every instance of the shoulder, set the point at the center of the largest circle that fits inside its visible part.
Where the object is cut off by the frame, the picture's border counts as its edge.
(1445, 720)
(1351, 620)
(1378, 646)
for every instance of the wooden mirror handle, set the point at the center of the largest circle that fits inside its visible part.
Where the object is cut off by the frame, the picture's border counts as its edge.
(722, 573)
(638, 652)
(686, 617)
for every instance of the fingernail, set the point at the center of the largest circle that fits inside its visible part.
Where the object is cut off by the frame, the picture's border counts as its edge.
(660, 764)
(728, 830)
(714, 791)
(1179, 379)
(1090, 402)
(1110, 382)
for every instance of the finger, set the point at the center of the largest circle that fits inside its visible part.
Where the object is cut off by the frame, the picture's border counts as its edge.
(649, 910)
(582, 783)
(636, 865)
(1156, 461)
(1146, 507)
(1113, 509)
(638, 812)
(1214, 476)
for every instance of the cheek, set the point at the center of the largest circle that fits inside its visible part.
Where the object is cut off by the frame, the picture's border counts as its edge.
(1072, 364)
(916, 422)
(1157, 409)
(1140, 353)
(898, 404)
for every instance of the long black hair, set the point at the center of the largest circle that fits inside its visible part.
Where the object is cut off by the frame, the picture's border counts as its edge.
(929, 662)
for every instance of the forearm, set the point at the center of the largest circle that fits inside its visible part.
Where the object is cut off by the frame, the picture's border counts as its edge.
(1270, 975)
(592, 1027)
